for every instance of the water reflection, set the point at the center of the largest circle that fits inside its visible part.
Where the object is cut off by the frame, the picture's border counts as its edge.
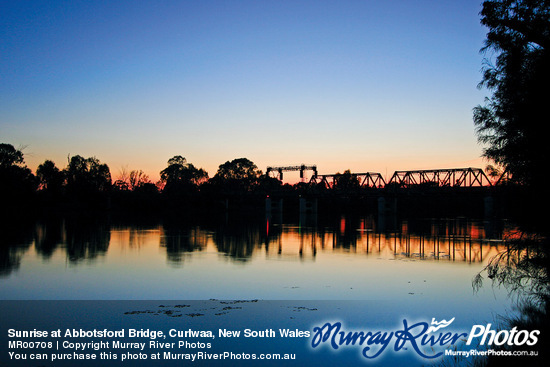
(179, 239)
(81, 239)
(447, 239)
(48, 236)
(87, 239)
(16, 238)
(238, 239)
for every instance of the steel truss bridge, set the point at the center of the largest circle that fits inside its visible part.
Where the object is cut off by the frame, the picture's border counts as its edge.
(369, 179)
(453, 177)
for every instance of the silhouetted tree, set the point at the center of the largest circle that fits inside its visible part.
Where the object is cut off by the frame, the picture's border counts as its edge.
(346, 181)
(147, 188)
(239, 174)
(121, 185)
(181, 176)
(122, 182)
(269, 184)
(131, 181)
(17, 183)
(134, 192)
(87, 177)
(9, 156)
(50, 178)
(138, 179)
(510, 123)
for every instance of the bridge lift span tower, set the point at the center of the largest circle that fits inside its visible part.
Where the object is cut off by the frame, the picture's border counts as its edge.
(278, 171)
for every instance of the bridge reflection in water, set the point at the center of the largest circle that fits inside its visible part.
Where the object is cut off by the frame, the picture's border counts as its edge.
(436, 240)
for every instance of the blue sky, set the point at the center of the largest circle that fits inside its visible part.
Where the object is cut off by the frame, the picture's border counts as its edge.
(361, 85)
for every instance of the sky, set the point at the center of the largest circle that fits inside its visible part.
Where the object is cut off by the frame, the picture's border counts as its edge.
(370, 86)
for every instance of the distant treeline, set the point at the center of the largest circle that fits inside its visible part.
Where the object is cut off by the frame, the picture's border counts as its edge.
(87, 182)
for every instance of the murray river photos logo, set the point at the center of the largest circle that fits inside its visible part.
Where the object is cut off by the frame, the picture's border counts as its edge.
(427, 340)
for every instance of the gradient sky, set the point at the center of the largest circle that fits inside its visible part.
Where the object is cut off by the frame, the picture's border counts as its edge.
(373, 85)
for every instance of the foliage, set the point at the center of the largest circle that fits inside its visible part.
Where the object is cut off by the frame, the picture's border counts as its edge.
(510, 122)
(17, 183)
(9, 156)
(50, 178)
(180, 175)
(132, 181)
(346, 181)
(138, 179)
(240, 174)
(268, 184)
(493, 172)
(87, 175)
(238, 169)
(523, 269)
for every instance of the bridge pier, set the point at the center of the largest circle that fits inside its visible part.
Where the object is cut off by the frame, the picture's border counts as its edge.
(387, 210)
(387, 205)
(489, 206)
(308, 205)
(273, 205)
(308, 212)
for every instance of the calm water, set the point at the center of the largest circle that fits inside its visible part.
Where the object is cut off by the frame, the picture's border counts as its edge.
(365, 271)
(342, 259)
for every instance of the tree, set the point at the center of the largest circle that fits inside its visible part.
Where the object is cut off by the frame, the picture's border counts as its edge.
(17, 183)
(238, 174)
(50, 178)
(87, 175)
(510, 123)
(122, 183)
(269, 184)
(9, 156)
(137, 179)
(180, 175)
(131, 181)
(346, 181)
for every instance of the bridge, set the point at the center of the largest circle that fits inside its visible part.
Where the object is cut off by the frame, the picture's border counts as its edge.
(369, 179)
(452, 177)
(302, 167)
